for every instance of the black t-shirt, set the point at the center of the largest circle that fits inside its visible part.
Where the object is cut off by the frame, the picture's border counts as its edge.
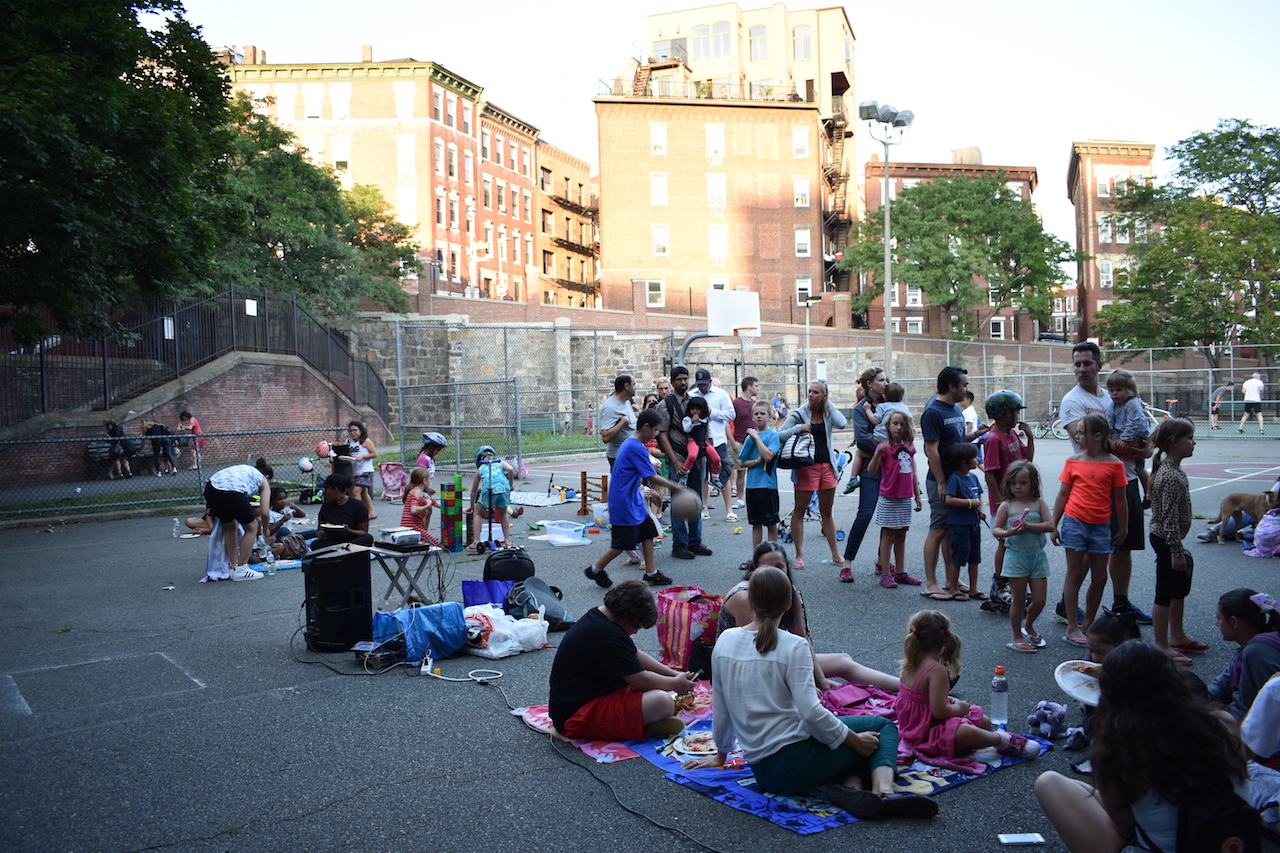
(352, 514)
(593, 660)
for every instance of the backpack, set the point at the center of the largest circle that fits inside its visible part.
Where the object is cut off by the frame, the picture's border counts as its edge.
(1215, 822)
(508, 564)
(532, 593)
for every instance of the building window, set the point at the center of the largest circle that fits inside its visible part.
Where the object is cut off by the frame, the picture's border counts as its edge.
(655, 293)
(1104, 186)
(548, 222)
(525, 156)
(1057, 304)
(800, 41)
(513, 163)
(453, 265)
(717, 190)
(658, 140)
(528, 207)
(719, 282)
(800, 142)
(1071, 304)
(761, 89)
(718, 242)
(440, 211)
(549, 263)
(658, 190)
(848, 57)
(720, 40)
(1104, 229)
(801, 191)
(891, 192)
(661, 241)
(453, 214)
(484, 145)
(715, 141)
(993, 296)
(896, 327)
(997, 328)
(450, 111)
(469, 167)
(466, 119)
(759, 41)
(436, 101)
(893, 294)
(915, 326)
(486, 196)
(1104, 273)
(439, 158)
(545, 181)
(498, 147)
(1122, 232)
(802, 241)
(701, 42)
(804, 289)
(914, 296)
(453, 162)
(1139, 231)
(1058, 324)
(502, 197)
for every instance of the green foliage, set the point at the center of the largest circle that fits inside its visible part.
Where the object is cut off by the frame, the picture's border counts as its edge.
(959, 240)
(1209, 273)
(294, 231)
(107, 136)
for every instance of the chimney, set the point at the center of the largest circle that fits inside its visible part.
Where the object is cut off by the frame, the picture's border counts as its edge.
(250, 55)
(366, 53)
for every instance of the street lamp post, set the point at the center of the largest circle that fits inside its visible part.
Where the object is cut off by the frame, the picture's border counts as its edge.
(889, 119)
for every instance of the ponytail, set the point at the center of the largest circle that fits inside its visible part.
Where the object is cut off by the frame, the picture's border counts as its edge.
(265, 469)
(769, 593)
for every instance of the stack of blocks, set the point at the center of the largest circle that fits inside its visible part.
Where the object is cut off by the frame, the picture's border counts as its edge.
(452, 534)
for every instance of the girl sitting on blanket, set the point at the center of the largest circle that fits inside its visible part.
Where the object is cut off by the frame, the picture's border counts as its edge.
(933, 723)
(736, 611)
(765, 699)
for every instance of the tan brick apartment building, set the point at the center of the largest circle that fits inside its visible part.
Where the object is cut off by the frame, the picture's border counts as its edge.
(1099, 171)
(458, 169)
(725, 161)
(566, 211)
(911, 312)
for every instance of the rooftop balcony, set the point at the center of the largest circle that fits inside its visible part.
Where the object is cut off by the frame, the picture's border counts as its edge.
(703, 90)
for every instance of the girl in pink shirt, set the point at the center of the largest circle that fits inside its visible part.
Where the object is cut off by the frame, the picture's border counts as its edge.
(898, 486)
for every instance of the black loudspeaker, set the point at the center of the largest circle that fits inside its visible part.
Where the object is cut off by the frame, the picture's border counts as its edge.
(339, 599)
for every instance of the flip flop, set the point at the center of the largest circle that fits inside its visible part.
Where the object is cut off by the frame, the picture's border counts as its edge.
(1195, 647)
(1180, 660)
(1024, 648)
(959, 596)
(1072, 641)
(1035, 639)
(978, 596)
(937, 596)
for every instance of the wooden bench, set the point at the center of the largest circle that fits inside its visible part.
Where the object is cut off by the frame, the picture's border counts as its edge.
(101, 463)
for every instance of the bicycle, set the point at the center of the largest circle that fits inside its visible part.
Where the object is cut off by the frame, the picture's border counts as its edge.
(1050, 424)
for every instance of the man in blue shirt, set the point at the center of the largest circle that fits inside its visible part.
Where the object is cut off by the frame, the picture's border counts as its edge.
(942, 426)
(632, 526)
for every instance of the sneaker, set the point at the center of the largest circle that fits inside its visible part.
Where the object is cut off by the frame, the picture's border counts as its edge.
(244, 573)
(907, 805)
(701, 550)
(853, 483)
(600, 576)
(657, 579)
(846, 574)
(887, 581)
(1018, 746)
(706, 514)
(682, 552)
(906, 579)
(1060, 613)
(732, 516)
(1126, 605)
(739, 504)
(861, 804)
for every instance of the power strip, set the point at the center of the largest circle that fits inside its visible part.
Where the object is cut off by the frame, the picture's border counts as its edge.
(379, 660)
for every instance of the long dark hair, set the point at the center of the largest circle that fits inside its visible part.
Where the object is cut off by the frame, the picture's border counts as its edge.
(769, 592)
(1151, 734)
(1239, 604)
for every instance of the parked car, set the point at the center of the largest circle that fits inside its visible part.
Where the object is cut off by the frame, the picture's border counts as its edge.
(1051, 338)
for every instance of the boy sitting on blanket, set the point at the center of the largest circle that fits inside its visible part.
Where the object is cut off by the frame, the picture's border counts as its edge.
(602, 686)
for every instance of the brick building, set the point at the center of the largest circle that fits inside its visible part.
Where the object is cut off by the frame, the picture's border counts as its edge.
(456, 168)
(1099, 171)
(911, 312)
(725, 159)
(566, 211)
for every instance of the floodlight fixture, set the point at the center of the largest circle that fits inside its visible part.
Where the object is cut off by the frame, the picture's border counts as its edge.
(887, 114)
(868, 110)
(904, 119)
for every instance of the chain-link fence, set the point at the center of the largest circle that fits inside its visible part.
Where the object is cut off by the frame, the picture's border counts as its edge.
(72, 476)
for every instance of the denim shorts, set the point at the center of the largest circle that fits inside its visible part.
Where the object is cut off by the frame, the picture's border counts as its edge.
(937, 505)
(1083, 536)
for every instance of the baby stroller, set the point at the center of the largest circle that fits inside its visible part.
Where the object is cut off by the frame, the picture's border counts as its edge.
(393, 481)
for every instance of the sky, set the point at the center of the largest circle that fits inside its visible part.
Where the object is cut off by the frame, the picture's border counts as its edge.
(1020, 79)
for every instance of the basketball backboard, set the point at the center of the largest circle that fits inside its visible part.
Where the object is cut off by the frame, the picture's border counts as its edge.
(733, 313)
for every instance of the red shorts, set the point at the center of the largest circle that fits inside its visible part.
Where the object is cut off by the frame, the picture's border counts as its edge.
(816, 477)
(613, 716)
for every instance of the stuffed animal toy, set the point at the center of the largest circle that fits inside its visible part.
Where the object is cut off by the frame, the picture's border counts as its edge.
(1049, 719)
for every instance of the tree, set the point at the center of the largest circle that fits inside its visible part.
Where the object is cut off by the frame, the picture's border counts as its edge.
(1208, 273)
(107, 141)
(293, 230)
(965, 242)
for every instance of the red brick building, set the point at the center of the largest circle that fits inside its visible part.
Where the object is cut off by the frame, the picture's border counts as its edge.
(912, 313)
(1099, 171)
(565, 207)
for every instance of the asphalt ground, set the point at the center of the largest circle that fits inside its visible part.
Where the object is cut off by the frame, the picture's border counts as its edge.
(136, 717)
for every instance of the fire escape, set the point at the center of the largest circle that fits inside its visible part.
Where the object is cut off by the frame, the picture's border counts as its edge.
(836, 219)
(567, 242)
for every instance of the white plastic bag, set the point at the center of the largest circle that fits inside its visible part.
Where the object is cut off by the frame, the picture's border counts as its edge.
(502, 635)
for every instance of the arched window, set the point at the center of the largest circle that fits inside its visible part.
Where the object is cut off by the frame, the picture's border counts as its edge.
(720, 39)
(701, 42)
(759, 40)
(800, 39)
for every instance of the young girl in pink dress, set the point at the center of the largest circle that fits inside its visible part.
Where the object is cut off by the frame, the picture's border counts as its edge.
(930, 721)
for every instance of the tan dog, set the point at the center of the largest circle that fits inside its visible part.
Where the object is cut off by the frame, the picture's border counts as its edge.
(1236, 503)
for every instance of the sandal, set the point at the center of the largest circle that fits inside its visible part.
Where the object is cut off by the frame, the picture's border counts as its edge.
(1025, 648)
(959, 596)
(979, 596)
(1180, 660)
(1195, 647)
(1035, 639)
(940, 595)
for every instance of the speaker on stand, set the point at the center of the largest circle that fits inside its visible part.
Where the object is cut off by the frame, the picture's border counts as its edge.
(339, 598)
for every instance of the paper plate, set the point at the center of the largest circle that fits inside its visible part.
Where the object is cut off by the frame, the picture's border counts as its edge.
(1077, 685)
(680, 746)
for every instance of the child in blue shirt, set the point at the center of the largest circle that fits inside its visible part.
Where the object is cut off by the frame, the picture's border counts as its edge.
(762, 477)
(964, 511)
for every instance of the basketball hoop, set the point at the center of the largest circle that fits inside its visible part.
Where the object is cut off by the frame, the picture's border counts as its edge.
(746, 332)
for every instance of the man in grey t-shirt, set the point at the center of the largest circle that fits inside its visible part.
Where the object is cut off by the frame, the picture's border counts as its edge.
(617, 416)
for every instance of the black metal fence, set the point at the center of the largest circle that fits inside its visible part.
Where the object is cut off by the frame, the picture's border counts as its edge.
(167, 340)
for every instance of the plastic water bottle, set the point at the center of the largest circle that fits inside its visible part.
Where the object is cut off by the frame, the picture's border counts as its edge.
(176, 529)
(999, 711)
(260, 547)
(271, 561)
